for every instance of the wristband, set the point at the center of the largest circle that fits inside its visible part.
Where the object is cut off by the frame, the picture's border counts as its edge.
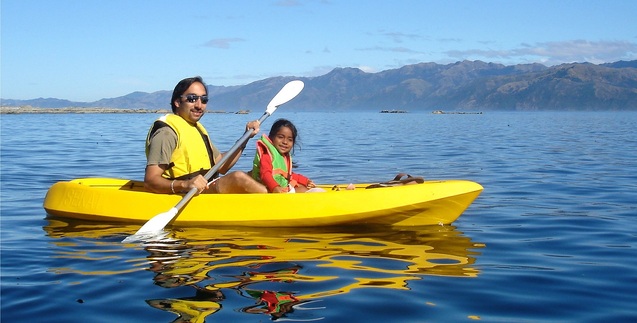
(172, 186)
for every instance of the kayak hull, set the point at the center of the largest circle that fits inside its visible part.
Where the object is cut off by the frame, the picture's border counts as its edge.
(126, 201)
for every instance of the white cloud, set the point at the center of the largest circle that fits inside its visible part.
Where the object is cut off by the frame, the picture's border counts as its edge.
(552, 53)
(288, 3)
(367, 69)
(389, 49)
(399, 37)
(223, 43)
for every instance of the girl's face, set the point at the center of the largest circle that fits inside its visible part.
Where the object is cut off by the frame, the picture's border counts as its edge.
(283, 140)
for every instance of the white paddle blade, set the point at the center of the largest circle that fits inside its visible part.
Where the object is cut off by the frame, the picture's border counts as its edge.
(287, 93)
(154, 226)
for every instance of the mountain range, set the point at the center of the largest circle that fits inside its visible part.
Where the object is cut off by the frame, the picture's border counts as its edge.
(461, 86)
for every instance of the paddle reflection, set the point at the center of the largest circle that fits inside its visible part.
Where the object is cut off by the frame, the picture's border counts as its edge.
(280, 271)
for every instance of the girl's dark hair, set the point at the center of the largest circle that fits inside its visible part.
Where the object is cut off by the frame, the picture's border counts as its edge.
(284, 123)
(182, 86)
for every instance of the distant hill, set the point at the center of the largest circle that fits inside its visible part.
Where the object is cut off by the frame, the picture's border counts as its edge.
(461, 86)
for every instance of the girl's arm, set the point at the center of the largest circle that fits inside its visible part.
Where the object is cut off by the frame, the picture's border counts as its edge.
(302, 180)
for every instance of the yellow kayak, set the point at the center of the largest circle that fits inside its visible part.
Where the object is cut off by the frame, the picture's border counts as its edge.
(126, 201)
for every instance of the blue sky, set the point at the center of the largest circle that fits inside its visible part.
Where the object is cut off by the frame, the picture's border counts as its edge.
(86, 50)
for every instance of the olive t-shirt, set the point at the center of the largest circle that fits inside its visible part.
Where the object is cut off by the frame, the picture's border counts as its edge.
(163, 143)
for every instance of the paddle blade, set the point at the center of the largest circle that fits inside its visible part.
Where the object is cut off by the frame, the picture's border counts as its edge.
(153, 227)
(287, 93)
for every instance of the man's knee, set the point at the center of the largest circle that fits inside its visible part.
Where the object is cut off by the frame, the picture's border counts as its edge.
(240, 182)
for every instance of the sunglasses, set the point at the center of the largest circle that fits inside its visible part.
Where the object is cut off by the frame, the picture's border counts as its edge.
(193, 98)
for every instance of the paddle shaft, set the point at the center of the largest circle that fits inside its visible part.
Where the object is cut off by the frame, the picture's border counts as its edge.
(159, 221)
(221, 162)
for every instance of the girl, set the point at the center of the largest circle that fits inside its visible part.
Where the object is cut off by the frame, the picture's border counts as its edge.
(272, 165)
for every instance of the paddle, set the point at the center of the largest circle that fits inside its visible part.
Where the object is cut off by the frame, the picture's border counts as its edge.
(155, 225)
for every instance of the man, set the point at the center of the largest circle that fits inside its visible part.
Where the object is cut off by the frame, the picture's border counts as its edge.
(179, 151)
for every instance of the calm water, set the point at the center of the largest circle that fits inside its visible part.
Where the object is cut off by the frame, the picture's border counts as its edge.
(552, 238)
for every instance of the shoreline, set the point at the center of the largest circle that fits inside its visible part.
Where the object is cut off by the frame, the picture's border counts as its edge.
(82, 110)
(33, 110)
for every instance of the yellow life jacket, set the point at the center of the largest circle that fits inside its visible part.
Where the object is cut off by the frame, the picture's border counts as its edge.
(193, 154)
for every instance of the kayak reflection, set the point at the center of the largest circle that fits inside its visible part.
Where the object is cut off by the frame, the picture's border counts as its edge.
(280, 270)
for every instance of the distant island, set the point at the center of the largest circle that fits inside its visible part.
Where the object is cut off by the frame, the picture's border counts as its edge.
(393, 111)
(468, 86)
(454, 112)
(86, 110)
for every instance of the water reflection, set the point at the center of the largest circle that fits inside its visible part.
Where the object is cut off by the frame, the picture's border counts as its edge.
(282, 272)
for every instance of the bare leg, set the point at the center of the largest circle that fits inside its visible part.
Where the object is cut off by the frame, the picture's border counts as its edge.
(238, 182)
